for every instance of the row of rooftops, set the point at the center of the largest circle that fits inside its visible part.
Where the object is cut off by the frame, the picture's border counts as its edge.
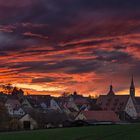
(40, 102)
(109, 102)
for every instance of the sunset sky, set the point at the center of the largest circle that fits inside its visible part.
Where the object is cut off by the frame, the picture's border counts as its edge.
(52, 46)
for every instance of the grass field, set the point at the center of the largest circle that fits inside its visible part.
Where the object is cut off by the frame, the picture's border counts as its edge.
(114, 132)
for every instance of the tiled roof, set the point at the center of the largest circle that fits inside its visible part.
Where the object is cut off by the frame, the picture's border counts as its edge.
(13, 102)
(81, 101)
(115, 103)
(100, 116)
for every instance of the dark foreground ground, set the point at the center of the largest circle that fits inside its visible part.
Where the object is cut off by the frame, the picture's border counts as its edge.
(111, 132)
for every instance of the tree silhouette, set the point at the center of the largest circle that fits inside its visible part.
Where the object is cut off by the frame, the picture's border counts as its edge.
(4, 117)
(8, 88)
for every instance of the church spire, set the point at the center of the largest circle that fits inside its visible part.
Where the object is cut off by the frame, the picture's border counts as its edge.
(132, 87)
(111, 92)
(132, 82)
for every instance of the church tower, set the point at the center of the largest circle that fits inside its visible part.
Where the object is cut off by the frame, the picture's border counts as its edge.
(132, 88)
(111, 92)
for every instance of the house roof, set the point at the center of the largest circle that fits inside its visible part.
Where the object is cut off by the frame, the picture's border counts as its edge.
(27, 117)
(36, 101)
(81, 101)
(13, 102)
(137, 100)
(100, 116)
(137, 104)
(115, 103)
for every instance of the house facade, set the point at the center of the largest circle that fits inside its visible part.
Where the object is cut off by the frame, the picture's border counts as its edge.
(14, 108)
(27, 122)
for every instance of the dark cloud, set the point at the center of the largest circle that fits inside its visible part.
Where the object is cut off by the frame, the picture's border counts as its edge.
(50, 79)
(59, 41)
(114, 56)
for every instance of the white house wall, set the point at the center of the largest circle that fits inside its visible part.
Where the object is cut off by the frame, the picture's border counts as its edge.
(80, 117)
(28, 118)
(130, 109)
(54, 105)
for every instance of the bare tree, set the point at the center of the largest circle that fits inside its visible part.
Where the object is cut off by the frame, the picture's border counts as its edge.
(8, 88)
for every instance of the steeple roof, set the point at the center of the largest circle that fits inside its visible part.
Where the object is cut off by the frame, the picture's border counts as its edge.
(132, 88)
(132, 83)
(111, 92)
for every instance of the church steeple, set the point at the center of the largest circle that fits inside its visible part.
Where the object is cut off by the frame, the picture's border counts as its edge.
(111, 92)
(132, 87)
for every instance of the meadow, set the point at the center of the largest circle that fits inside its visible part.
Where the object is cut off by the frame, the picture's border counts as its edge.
(111, 132)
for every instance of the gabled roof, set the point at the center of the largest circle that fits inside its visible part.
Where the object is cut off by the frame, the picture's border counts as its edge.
(27, 117)
(36, 100)
(34, 103)
(12, 102)
(46, 101)
(100, 116)
(116, 103)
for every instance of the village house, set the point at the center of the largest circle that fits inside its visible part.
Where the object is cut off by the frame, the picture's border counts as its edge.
(27, 122)
(14, 108)
(71, 104)
(69, 107)
(81, 102)
(41, 102)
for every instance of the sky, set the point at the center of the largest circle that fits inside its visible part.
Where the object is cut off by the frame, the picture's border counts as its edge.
(56, 46)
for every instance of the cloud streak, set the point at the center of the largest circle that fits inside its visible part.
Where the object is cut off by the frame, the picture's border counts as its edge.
(69, 45)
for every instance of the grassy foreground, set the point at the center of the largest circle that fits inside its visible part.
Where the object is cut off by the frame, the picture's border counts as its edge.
(114, 132)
